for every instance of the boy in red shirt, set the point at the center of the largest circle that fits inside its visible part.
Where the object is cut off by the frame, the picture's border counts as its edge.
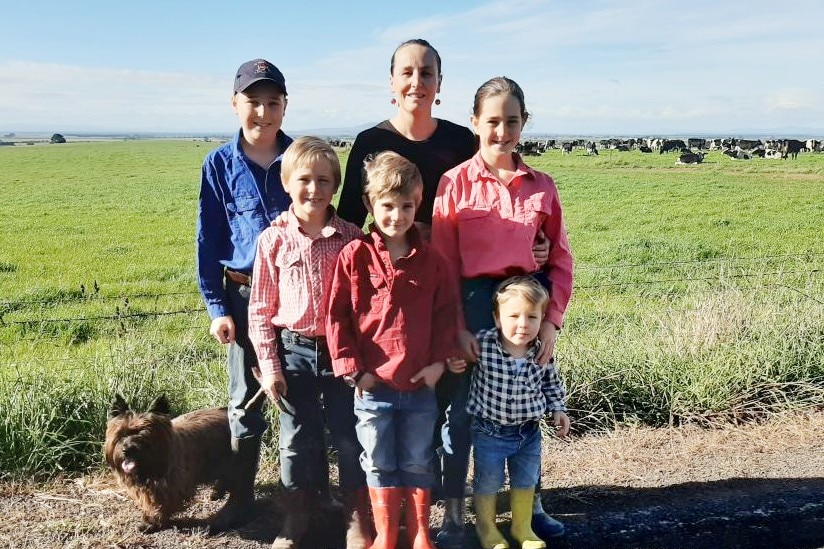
(392, 324)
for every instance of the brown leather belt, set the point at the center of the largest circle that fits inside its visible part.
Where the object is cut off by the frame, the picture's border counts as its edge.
(239, 278)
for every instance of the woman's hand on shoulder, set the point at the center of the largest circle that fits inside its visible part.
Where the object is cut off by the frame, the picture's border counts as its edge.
(548, 334)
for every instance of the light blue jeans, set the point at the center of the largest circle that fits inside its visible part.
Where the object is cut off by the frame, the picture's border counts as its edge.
(395, 431)
(518, 447)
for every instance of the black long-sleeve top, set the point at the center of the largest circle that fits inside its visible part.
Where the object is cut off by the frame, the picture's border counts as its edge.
(450, 145)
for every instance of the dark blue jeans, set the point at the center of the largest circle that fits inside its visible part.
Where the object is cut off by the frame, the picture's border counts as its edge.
(455, 432)
(315, 399)
(241, 360)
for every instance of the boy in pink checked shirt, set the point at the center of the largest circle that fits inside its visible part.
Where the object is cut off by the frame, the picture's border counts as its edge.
(392, 325)
(291, 280)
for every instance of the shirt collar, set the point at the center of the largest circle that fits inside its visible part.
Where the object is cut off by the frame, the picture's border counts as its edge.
(333, 226)
(477, 168)
(283, 142)
(413, 235)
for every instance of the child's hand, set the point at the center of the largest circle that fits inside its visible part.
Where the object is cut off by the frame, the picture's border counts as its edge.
(540, 249)
(274, 385)
(429, 374)
(223, 329)
(561, 422)
(469, 345)
(456, 365)
(547, 334)
(367, 382)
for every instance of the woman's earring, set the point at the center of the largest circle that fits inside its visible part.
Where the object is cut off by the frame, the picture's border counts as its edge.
(437, 101)
(393, 101)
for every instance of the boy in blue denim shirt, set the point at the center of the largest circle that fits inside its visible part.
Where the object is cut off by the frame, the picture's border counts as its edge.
(240, 195)
(509, 395)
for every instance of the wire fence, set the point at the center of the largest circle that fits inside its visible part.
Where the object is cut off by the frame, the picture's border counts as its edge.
(10, 308)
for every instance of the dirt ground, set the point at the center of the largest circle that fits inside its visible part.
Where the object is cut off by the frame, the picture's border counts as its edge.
(758, 486)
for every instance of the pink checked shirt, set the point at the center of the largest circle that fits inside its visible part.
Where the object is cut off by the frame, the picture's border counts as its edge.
(291, 281)
(486, 228)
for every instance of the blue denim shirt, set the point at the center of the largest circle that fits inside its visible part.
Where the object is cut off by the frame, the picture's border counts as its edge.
(238, 200)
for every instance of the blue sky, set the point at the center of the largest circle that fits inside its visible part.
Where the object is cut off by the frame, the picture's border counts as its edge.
(587, 67)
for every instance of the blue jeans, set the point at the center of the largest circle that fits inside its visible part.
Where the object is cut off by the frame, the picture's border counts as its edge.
(395, 429)
(315, 400)
(516, 446)
(241, 360)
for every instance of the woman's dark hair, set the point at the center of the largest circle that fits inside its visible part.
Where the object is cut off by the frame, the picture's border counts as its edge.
(500, 85)
(416, 42)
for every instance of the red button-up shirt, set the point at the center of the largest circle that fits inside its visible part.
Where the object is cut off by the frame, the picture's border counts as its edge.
(486, 228)
(291, 281)
(391, 320)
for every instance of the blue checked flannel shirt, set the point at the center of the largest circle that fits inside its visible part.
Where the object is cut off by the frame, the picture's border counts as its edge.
(508, 393)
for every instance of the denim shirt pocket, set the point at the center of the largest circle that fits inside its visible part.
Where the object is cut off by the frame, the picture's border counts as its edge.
(244, 216)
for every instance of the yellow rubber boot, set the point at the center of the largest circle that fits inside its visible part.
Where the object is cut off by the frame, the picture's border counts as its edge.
(488, 533)
(520, 499)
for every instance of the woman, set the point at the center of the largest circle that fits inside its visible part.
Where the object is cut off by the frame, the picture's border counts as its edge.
(432, 144)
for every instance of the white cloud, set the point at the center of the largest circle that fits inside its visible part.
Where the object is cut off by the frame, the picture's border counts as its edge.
(584, 66)
(42, 96)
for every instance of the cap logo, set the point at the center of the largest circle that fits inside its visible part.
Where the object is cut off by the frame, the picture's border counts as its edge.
(261, 67)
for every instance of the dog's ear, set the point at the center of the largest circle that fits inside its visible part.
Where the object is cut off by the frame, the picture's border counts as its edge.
(118, 407)
(160, 405)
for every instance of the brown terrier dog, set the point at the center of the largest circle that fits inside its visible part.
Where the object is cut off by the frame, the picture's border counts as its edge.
(161, 461)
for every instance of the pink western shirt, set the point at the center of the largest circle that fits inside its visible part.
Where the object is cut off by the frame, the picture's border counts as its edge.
(291, 281)
(391, 320)
(486, 228)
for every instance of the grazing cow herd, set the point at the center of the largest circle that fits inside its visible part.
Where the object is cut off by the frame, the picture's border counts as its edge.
(690, 151)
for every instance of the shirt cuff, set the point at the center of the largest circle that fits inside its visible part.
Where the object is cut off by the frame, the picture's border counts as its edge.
(345, 366)
(269, 367)
(556, 317)
(216, 310)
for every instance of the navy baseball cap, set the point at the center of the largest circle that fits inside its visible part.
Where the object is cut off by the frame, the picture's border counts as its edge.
(256, 71)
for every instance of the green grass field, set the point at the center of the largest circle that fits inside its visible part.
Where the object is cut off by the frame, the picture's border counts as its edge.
(699, 290)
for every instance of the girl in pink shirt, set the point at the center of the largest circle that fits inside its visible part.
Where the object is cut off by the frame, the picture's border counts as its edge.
(488, 213)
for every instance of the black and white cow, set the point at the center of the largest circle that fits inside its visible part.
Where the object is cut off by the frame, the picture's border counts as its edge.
(690, 157)
(737, 154)
(672, 145)
(791, 147)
